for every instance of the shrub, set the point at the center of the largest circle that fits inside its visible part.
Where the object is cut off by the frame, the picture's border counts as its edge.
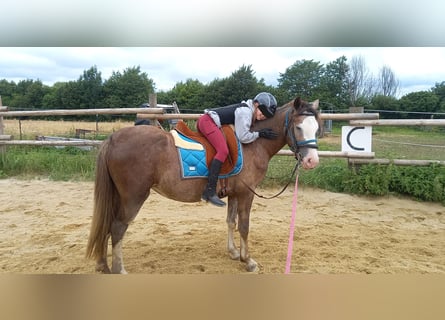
(422, 183)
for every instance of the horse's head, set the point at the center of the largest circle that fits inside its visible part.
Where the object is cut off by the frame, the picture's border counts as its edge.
(302, 126)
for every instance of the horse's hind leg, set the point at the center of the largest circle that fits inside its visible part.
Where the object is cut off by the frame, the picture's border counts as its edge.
(131, 203)
(118, 229)
(231, 224)
(101, 262)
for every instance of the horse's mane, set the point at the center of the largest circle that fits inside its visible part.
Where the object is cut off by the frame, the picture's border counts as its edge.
(306, 107)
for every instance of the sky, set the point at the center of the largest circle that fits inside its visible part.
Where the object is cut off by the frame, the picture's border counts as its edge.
(176, 40)
(416, 68)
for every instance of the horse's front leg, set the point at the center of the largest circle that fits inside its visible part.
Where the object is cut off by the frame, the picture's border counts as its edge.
(231, 225)
(244, 207)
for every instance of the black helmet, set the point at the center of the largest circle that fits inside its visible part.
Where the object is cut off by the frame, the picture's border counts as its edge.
(267, 103)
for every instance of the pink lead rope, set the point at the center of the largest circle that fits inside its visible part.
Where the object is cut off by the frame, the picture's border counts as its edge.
(292, 228)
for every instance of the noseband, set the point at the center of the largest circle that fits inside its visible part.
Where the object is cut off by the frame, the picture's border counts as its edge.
(295, 144)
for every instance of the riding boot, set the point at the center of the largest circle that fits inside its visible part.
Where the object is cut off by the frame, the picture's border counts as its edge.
(209, 193)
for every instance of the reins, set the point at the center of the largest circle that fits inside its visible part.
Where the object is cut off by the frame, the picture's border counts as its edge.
(297, 166)
(312, 143)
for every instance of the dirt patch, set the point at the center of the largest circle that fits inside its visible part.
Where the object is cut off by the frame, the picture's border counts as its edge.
(45, 225)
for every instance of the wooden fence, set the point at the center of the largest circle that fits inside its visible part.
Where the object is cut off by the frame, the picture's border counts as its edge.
(397, 122)
(355, 119)
(157, 114)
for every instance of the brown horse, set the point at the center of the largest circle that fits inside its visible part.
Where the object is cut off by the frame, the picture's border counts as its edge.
(134, 160)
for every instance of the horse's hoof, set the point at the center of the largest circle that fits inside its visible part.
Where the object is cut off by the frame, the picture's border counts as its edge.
(103, 269)
(234, 255)
(120, 271)
(252, 267)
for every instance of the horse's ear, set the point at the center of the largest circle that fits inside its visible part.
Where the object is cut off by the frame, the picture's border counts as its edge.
(297, 103)
(315, 104)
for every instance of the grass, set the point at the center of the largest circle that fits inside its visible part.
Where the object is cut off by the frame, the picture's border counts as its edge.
(64, 164)
(425, 183)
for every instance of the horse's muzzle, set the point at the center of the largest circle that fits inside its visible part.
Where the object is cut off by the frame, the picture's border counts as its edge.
(310, 159)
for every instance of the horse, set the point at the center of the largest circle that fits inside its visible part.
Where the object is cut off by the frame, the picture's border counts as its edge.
(134, 160)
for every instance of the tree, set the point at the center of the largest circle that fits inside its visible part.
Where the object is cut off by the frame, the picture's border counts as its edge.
(301, 79)
(28, 94)
(91, 89)
(187, 94)
(386, 103)
(421, 101)
(69, 95)
(7, 89)
(360, 83)
(241, 85)
(128, 89)
(53, 98)
(333, 89)
(388, 84)
(214, 94)
(439, 91)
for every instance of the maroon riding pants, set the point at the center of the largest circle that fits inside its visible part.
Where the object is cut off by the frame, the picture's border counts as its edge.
(210, 130)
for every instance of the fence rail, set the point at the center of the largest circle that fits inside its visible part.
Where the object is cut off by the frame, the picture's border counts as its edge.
(324, 116)
(399, 122)
(355, 119)
(398, 162)
(77, 112)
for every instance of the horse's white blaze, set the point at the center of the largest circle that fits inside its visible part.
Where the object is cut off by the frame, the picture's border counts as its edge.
(309, 127)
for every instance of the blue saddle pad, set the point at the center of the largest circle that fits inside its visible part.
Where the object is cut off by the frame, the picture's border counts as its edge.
(194, 163)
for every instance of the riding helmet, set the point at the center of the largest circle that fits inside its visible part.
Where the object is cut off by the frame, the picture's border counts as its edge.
(267, 103)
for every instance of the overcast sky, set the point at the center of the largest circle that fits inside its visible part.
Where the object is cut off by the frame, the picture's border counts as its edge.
(417, 68)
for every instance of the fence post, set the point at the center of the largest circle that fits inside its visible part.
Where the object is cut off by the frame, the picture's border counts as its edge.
(354, 110)
(153, 103)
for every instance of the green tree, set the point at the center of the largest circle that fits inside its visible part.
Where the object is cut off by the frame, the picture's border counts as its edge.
(188, 95)
(213, 95)
(384, 103)
(439, 91)
(421, 101)
(53, 98)
(7, 89)
(241, 85)
(69, 95)
(90, 89)
(333, 89)
(301, 79)
(28, 94)
(128, 89)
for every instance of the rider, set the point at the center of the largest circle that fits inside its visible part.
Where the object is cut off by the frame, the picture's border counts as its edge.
(243, 115)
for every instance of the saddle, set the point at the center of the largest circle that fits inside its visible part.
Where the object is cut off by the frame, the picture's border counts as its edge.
(232, 143)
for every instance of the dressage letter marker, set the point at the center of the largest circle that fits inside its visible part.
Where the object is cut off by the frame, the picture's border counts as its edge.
(356, 139)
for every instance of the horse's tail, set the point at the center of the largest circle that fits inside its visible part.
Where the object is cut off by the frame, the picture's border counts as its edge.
(105, 206)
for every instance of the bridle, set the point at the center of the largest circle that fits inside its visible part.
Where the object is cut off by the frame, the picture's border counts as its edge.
(295, 145)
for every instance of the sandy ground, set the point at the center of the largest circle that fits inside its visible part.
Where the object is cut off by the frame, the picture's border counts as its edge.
(44, 228)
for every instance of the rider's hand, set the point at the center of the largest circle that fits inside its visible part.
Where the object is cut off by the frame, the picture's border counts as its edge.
(268, 133)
